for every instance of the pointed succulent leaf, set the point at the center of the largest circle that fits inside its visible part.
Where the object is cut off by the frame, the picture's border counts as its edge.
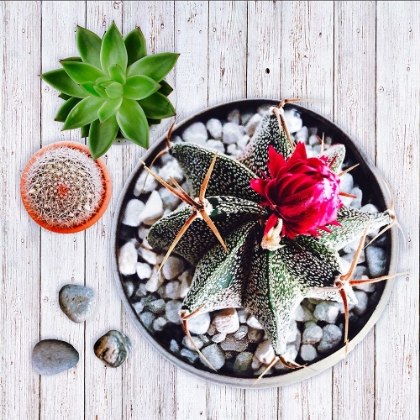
(64, 96)
(65, 109)
(83, 113)
(101, 136)
(271, 295)
(113, 49)
(155, 66)
(353, 223)
(61, 81)
(100, 91)
(220, 278)
(89, 46)
(135, 45)
(140, 87)
(228, 214)
(109, 108)
(157, 106)
(165, 88)
(81, 72)
(133, 123)
(114, 90)
(229, 177)
(335, 156)
(89, 87)
(269, 134)
(84, 131)
(117, 74)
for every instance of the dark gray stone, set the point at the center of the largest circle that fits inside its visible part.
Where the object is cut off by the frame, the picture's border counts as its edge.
(113, 348)
(50, 357)
(77, 302)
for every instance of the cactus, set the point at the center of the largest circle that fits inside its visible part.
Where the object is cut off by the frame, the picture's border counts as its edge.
(246, 253)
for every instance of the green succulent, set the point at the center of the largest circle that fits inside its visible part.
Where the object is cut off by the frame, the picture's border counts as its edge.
(113, 88)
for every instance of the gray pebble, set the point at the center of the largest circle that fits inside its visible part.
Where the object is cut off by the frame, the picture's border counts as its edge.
(327, 311)
(157, 306)
(376, 261)
(186, 342)
(138, 307)
(77, 302)
(362, 302)
(169, 199)
(113, 348)
(147, 319)
(214, 355)
(173, 267)
(215, 128)
(172, 311)
(234, 116)
(243, 362)
(159, 323)
(232, 344)
(331, 336)
(50, 357)
(254, 335)
(190, 355)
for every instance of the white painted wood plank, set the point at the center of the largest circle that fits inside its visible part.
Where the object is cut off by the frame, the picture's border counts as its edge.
(191, 41)
(398, 132)
(103, 385)
(354, 111)
(20, 236)
(226, 81)
(263, 81)
(149, 386)
(62, 256)
(307, 72)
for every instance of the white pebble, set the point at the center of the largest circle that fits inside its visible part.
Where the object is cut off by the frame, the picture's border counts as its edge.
(369, 208)
(173, 346)
(143, 232)
(232, 149)
(218, 338)
(357, 202)
(153, 209)
(173, 267)
(172, 311)
(293, 120)
(144, 271)
(232, 133)
(215, 146)
(331, 336)
(138, 307)
(227, 321)
(127, 259)
(362, 302)
(169, 199)
(366, 287)
(172, 290)
(171, 170)
(132, 213)
(313, 140)
(302, 314)
(254, 323)
(186, 342)
(256, 364)
(148, 256)
(147, 319)
(252, 125)
(312, 333)
(129, 288)
(234, 116)
(214, 355)
(215, 128)
(243, 142)
(376, 261)
(199, 324)
(265, 352)
(302, 135)
(327, 311)
(145, 184)
(196, 133)
(190, 355)
(154, 281)
(308, 353)
(346, 183)
(159, 323)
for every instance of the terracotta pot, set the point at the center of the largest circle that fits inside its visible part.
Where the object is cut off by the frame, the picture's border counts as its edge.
(366, 174)
(105, 199)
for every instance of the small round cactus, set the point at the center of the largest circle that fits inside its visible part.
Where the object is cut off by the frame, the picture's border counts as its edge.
(64, 189)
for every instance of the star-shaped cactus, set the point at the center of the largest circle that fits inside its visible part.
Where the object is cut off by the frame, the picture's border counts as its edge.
(234, 266)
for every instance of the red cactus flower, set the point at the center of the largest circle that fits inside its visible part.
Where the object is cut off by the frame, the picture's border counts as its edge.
(301, 191)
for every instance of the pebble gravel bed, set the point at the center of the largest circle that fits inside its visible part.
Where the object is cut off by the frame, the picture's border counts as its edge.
(232, 339)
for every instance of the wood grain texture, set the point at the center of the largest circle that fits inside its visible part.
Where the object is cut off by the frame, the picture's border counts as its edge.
(360, 59)
(398, 132)
(20, 236)
(354, 111)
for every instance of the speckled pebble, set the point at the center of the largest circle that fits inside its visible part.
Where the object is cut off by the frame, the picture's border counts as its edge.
(243, 362)
(233, 344)
(113, 348)
(76, 301)
(50, 357)
(214, 355)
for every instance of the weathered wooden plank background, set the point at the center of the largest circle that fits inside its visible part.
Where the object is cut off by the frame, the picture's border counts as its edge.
(360, 59)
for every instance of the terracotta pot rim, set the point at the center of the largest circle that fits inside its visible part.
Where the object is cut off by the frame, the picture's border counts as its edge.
(105, 199)
(370, 171)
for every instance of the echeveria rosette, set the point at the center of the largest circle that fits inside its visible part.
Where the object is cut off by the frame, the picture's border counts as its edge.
(301, 192)
(113, 87)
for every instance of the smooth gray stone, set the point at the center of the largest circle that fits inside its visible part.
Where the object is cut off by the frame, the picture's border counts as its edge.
(50, 357)
(113, 348)
(77, 302)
